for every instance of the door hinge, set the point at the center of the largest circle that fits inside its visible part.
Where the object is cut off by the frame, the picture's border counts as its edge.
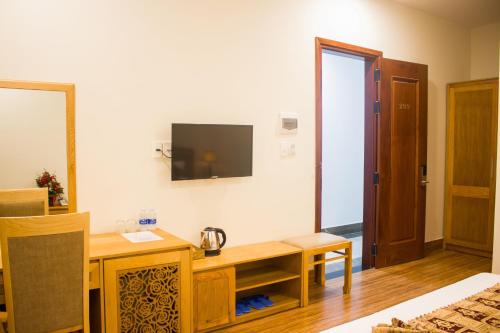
(376, 178)
(374, 249)
(376, 74)
(376, 107)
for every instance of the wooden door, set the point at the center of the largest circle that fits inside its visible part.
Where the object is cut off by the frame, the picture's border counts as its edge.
(402, 162)
(470, 165)
(214, 298)
(148, 293)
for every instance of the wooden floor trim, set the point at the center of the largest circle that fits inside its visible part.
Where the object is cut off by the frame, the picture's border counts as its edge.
(372, 290)
(458, 248)
(434, 245)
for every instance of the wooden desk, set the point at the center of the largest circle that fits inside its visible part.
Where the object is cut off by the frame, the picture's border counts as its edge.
(113, 245)
(138, 266)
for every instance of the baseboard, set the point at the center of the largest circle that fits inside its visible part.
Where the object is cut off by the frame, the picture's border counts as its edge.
(458, 248)
(345, 229)
(434, 245)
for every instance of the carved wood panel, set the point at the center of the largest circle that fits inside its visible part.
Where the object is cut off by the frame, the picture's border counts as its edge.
(149, 299)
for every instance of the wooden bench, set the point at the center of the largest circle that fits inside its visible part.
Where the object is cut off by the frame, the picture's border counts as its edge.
(316, 246)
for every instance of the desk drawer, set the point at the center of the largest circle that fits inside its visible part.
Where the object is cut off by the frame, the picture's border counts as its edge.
(94, 282)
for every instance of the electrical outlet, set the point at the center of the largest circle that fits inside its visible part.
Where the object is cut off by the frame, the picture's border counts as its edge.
(160, 149)
(156, 149)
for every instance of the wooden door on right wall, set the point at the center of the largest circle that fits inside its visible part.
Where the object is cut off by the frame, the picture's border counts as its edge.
(471, 166)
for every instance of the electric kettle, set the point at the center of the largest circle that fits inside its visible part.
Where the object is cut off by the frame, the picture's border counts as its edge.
(210, 241)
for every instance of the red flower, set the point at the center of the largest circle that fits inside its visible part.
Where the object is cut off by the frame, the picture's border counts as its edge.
(49, 181)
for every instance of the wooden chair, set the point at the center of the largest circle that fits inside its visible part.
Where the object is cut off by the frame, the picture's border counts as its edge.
(24, 202)
(46, 272)
(21, 202)
(316, 246)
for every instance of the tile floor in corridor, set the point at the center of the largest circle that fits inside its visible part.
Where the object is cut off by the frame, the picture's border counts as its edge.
(336, 268)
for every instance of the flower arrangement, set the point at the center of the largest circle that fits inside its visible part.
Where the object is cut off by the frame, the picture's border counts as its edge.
(54, 187)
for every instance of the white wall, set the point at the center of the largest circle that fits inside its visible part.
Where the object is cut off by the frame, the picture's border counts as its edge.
(32, 137)
(343, 86)
(484, 51)
(140, 65)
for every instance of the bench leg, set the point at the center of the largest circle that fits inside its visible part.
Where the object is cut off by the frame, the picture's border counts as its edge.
(348, 269)
(305, 279)
(319, 270)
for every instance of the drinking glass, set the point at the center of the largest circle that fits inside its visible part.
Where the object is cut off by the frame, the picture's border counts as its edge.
(131, 225)
(121, 226)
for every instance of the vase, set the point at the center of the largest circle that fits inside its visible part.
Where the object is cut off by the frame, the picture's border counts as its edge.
(52, 200)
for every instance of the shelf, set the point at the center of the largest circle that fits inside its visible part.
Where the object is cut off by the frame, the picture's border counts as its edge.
(281, 303)
(244, 254)
(65, 207)
(262, 276)
(56, 210)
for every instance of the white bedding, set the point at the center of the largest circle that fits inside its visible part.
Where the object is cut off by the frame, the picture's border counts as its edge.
(422, 304)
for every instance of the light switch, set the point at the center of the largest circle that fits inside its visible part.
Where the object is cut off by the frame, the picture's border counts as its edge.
(287, 148)
(284, 149)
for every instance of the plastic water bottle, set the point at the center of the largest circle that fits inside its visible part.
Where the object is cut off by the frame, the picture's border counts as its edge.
(143, 220)
(152, 219)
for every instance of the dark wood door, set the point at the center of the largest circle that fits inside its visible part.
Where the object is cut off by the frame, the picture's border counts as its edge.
(403, 162)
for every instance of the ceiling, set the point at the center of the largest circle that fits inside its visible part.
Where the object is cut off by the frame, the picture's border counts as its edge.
(468, 13)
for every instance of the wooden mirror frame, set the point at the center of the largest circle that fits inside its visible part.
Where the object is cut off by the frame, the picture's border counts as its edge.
(69, 90)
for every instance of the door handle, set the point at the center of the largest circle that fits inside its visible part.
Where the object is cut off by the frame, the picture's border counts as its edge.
(423, 175)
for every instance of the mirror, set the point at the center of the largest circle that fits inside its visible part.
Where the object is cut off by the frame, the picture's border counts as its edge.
(37, 135)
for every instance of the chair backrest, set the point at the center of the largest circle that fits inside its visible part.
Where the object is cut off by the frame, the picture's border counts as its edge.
(45, 268)
(24, 202)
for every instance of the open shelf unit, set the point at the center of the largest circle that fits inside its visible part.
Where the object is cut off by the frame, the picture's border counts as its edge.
(273, 269)
(262, 276)
(281, 303)
(279, 278)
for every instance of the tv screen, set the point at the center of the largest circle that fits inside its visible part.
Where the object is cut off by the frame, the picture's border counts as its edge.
(202, 151)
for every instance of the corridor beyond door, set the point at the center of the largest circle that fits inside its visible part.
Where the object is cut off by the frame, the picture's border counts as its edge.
(343, 131)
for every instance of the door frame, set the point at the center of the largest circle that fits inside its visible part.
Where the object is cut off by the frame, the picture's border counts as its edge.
(372, 94)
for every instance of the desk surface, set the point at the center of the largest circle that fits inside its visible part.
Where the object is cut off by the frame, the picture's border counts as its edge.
(113, 245)
(245, 253)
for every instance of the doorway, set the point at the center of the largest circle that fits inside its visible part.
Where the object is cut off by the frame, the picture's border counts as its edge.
(343, 133)
(346, 155)
(371, 151)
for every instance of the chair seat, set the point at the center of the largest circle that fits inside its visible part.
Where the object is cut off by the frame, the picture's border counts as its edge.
(315, 240)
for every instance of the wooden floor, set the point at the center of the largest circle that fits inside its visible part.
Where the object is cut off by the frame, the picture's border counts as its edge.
(372, 291)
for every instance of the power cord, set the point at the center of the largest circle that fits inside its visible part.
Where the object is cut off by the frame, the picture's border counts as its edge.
(169, 151)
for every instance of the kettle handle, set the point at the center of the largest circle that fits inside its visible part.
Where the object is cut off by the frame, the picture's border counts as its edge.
(223, 236)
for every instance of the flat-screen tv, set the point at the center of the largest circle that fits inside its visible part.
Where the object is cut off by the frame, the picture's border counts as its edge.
(203, 151)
